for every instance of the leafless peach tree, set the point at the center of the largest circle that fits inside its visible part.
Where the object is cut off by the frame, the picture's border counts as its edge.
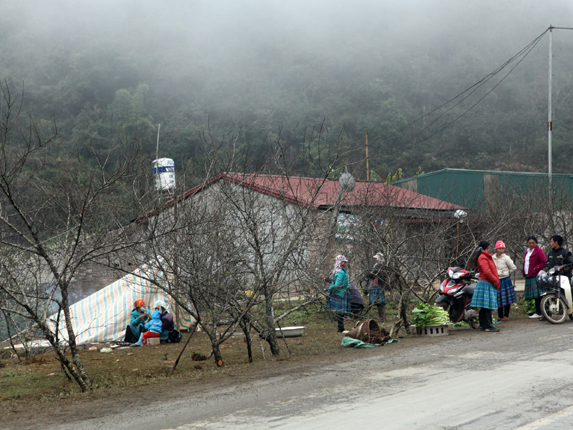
(54, 217)
(233, 245)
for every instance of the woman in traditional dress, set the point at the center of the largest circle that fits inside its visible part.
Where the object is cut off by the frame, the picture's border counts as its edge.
(506, 293)
(533, 262)
(339, 297)
(377, 281)
(485, 293)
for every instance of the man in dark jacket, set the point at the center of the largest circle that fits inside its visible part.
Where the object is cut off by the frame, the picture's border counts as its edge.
(559, 256)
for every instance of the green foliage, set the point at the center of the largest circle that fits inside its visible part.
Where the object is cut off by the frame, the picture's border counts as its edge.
(529, 306)
(394, 177)
(427, 314)
(375, 176)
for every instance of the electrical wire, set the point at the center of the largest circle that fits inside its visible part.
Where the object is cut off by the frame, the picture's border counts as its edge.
(479, 83)
(477, 102)
(461, 97)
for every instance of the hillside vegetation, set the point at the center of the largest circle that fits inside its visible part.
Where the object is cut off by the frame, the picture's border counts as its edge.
(109, 73)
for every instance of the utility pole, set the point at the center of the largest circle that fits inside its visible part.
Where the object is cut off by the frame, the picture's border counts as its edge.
(549, 110)
(367, 159)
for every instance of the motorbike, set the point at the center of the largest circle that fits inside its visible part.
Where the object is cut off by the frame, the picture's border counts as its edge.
(556, 299)
(456, 293)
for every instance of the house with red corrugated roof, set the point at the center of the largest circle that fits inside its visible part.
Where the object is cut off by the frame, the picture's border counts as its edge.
(322, 194)
(339, 215)
(288, 197)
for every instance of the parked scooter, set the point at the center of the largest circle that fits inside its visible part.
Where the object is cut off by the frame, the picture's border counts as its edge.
(456, 294)
(556, 299)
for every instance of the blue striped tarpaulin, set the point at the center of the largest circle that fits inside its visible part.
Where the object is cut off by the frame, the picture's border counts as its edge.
(104, 315)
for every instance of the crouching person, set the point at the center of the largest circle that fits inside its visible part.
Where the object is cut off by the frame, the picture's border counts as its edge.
(167, 324)
(161, 323)
(136, 327)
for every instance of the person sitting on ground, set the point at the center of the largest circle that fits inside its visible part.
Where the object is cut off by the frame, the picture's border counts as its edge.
(153, 327)
(139, 316)
(559, 256)
(168, 326)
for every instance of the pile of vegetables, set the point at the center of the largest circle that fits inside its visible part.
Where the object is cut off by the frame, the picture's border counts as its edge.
(427, 314)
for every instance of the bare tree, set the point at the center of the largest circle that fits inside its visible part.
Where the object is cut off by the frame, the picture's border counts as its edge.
(55, 214)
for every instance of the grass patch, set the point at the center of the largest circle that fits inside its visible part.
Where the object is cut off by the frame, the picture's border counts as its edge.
(41, 378)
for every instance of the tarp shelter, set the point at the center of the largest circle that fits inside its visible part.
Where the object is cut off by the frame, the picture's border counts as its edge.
(103, 316)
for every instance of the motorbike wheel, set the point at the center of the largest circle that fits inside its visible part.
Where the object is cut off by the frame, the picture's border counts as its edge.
(553, 309)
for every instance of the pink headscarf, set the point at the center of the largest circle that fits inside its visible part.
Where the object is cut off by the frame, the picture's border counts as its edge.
(339, 259)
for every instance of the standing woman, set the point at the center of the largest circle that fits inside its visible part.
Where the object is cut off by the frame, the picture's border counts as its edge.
(377, 280)
(506, 293)
(339, 298)
(533, 262)
(485, 294)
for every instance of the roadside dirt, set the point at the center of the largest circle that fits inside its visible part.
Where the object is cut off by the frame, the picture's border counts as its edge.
(21, 414)
(101, 403)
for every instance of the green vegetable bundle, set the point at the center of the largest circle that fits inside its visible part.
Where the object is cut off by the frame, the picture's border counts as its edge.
(427, 314)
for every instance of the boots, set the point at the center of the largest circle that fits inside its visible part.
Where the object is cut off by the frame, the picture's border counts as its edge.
(381, 313)
(488, 325)
(482, 316)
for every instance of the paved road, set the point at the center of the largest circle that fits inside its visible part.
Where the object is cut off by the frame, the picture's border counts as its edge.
(521, 378)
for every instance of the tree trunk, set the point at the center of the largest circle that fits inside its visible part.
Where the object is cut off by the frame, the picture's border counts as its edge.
(402, 315)
(74, 367)
(246, 327)
(79, 367)
(271, 334)
(217, 353)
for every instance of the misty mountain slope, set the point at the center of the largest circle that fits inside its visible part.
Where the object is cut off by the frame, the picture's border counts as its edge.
(108, 72)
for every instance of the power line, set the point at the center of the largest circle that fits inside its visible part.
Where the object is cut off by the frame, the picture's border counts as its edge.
(462, 96)
(479, 83)
(477, 102)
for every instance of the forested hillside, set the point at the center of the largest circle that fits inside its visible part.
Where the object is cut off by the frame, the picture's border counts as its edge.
(248, 71)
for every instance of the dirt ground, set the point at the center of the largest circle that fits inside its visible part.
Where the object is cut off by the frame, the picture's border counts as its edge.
(51, 410)
(319, 347)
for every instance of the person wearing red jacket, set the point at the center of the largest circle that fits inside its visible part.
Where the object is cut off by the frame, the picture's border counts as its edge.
(533, 262)
(485, 294)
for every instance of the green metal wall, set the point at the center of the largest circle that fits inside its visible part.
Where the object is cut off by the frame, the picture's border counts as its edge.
(466, 187)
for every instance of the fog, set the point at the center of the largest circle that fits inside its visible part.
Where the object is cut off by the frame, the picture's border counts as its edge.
(223, 56)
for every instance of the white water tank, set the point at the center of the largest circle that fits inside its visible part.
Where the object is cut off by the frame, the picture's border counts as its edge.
(164, 174)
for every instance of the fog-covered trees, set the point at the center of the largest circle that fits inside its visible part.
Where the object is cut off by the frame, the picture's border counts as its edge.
(352, 67)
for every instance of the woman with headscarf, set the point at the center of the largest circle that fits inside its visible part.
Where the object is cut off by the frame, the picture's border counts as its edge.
(533, 262)
(506, 293)
(339, 297)
(167, 324)
(485, 293)
(139, 316)
(376, 283)
(160, 324)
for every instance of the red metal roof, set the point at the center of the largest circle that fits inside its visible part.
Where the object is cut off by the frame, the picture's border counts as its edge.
(319, 192)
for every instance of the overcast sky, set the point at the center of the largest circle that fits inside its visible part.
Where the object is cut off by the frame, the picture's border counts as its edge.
(223, 30)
